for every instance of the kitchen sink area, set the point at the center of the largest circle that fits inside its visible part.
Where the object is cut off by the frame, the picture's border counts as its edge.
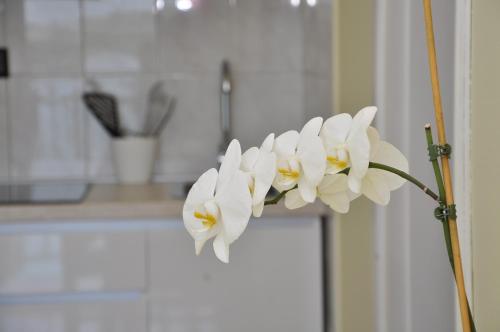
(109, 112)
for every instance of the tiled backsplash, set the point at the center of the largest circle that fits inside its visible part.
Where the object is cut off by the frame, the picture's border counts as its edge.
(280, 56)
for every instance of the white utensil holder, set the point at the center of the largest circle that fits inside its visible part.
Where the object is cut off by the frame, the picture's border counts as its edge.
(134, 158)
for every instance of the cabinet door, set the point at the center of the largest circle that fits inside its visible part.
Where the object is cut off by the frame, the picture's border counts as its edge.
(272, 283)
(107, 316)
(51, 260)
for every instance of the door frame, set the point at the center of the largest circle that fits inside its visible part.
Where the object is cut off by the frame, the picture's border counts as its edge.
(461, 142)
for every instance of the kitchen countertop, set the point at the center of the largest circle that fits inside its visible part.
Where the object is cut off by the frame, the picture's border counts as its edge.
(110, 201)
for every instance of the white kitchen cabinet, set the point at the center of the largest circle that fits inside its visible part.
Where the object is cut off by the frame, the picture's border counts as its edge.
(51, 259)
(143, 276)
(272, 283)
(100, 316)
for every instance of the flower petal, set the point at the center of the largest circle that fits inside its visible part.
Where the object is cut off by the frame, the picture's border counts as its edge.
(359, 153)
(198, 245)
(230, 163)
(374, 139)
(221, 248)
(257, 209)
(358, 145)
(334, 192)
(249, 158)
(362, 121)
(389, 155)
(338, 202)
(336, 129)
(333, 184)
(201, 191)
(312, 127)
(268, 143)
(307, 190)
(264, 171)
(235, 205)
(375, 187)
(286, 143)
(312, 156)
(354, 183)
(293, 200)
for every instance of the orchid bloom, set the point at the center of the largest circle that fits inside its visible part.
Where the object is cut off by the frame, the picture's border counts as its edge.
(332, 190)
(347, 145)
(330, 161)
(219, 205)
(377, 184)
(260, 167)
(301, 160)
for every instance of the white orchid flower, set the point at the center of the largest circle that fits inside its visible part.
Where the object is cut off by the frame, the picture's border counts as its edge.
(347, 145)
(377, 184)
(260, 167)
(301, 160)
(219, 205)
(333, 191)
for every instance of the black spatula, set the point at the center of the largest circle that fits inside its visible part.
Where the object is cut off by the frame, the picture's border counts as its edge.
(105, 109)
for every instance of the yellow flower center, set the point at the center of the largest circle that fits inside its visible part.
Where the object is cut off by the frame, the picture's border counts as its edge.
(289, 173)
(336, 162)
(207, 219)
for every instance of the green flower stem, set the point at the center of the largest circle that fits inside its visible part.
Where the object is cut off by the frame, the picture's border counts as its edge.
(405, 176)
(387, 168)
(446, 227)
(278, 197)
(442, 194)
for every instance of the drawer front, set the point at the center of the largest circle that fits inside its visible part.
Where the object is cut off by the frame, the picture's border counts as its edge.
(108, 316)
(272, 283)
(52, 261)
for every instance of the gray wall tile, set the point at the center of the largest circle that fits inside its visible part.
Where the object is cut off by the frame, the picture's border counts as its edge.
(318, 39)
(268, 36)
(119, 36)
(4, 134)
(197, 40)
(265, 103)
(189, 143)
(46, 128)
(43, 36)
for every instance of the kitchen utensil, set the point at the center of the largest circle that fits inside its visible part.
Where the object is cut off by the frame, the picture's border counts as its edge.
(159, 109)
(134, 158)
(157, 100)
(167, 114)
(104, 107)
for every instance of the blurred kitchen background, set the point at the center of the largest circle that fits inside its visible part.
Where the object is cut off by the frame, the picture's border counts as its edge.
(279, 54)
(101, 264)
(105, 256)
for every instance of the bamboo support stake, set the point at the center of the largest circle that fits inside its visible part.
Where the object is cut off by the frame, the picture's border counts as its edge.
(436, 94)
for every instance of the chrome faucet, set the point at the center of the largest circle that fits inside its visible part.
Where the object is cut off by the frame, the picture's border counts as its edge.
(225, 108)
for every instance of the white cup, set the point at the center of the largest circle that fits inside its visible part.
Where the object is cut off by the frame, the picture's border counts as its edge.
(134, 158)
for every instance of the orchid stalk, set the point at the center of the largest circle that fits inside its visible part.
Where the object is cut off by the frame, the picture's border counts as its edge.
(337, 161)
(404, 175)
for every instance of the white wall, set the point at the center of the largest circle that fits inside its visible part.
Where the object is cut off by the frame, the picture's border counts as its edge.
(352, 233)
(485, 163)
(413, 279)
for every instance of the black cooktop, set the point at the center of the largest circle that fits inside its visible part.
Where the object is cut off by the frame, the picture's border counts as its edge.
(43, 193)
